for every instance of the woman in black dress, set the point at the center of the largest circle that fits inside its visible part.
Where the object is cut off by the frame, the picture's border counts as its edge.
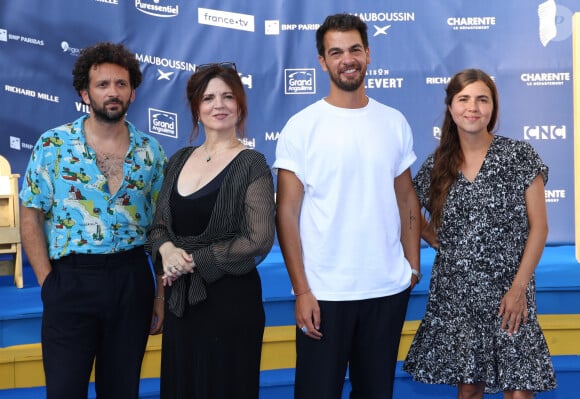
(485, 197)
(213, 225)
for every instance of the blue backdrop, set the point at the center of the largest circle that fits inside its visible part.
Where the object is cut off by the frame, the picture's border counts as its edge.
(416, 46)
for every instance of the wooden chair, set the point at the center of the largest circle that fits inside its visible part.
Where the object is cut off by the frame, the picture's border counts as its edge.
(10, 224)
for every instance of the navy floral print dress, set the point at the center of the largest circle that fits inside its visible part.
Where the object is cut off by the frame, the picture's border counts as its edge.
(482, 238)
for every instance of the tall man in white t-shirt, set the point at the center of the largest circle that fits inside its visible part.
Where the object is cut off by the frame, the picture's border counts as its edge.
(348, 224)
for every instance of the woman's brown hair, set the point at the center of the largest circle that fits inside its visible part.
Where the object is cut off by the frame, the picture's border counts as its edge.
(197, 84)
(448, 156)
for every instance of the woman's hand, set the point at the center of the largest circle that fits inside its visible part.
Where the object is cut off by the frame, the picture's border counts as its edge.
(514, 310)
(176, 262)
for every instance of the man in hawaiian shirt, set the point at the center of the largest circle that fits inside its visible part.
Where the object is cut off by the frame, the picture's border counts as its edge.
(88, 197)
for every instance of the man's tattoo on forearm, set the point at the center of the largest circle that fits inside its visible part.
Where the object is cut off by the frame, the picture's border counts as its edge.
(412, 219)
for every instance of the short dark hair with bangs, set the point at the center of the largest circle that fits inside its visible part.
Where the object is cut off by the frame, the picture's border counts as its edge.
(341, 23)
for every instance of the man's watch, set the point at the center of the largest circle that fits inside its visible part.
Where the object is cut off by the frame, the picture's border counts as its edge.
(417, 274)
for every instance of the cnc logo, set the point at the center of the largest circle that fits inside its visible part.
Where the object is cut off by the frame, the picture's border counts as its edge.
(163, 123)
(300, 81)
(545, 132)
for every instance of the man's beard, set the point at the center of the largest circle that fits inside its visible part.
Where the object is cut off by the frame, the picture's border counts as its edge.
(348, 85)
(104, 115)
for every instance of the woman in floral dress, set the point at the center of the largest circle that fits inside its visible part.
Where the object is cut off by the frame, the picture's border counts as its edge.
(485, 197)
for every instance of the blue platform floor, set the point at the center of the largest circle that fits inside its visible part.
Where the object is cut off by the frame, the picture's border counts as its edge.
(277, 384)
(558, 292)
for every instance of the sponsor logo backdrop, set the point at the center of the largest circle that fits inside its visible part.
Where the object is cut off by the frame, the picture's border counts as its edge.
(415, 48)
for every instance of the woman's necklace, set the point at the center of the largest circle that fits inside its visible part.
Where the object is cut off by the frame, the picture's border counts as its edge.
(209, 156)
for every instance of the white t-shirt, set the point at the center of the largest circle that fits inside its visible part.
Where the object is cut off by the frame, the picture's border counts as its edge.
(347, 160)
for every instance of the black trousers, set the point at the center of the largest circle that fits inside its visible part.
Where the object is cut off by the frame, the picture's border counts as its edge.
(363, 335)
(97, 308)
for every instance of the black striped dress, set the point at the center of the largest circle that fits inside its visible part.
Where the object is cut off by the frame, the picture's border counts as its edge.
(214, 318)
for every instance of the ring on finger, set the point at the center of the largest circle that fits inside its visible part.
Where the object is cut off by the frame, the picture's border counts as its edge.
(304, 329)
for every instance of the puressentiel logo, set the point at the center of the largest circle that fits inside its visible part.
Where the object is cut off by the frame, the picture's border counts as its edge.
(300, 81)
(157, 10)
(225, 19)
(163, 123)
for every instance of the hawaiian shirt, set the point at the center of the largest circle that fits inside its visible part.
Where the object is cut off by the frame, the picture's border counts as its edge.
(81, 216)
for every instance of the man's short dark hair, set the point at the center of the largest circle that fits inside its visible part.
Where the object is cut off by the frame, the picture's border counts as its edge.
(341, 23)
(105, 53)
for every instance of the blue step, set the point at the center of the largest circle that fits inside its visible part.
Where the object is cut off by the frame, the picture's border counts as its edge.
(279, 384)
(558, 292)
(149, 389)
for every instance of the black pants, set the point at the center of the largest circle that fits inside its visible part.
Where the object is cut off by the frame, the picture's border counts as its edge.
(97, 308)
(363, 335)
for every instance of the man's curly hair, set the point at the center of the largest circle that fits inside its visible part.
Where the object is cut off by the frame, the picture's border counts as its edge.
(105, 53)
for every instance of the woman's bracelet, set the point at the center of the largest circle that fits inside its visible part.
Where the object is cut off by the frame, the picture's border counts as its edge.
(159, 298)
(302, 293)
